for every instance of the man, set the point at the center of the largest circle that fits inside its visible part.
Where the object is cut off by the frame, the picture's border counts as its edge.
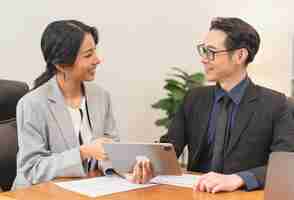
(232, 127)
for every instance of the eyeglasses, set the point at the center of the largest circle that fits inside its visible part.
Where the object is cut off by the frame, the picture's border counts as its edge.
(209, 53)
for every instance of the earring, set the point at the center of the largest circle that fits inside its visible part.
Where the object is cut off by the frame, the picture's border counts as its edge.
(64, 76)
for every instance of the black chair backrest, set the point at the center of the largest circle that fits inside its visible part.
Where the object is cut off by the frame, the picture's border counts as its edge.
(10, 93)
(290, 102)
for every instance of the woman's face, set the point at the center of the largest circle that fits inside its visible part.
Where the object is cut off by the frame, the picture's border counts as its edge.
(84, 68)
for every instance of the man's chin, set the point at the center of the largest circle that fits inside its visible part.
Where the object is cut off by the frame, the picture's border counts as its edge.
(90, 78)
(210, 78)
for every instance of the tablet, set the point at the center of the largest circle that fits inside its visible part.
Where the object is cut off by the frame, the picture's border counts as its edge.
(161, 155)
(279, 182)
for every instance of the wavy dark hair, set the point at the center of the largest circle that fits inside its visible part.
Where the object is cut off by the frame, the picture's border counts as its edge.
(60, 44)
(239, 33)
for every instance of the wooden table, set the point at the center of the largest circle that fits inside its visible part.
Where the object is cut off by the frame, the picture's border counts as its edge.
(46, 191)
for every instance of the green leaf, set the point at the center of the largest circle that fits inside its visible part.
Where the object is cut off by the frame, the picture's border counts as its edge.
(176, 106)
(163, 122)
(197, 77)
(177, 94)
(164, 104)
(181, 71)
(175, 82)
(184, 78)
(195, 80)
(172, 88)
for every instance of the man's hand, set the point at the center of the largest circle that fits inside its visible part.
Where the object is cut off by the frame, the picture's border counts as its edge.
(214, 182)
(142, 172)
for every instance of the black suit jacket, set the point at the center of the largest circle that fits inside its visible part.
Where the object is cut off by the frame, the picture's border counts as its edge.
(263, 124)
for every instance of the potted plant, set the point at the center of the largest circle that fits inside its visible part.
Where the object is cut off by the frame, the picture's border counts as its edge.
(177, 86)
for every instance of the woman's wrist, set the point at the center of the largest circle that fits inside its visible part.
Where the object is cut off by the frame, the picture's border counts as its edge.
(83, 152)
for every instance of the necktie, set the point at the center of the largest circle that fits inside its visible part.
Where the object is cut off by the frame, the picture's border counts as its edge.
(221, 130)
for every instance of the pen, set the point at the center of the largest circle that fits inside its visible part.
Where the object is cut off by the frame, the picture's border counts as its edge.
(111, 171)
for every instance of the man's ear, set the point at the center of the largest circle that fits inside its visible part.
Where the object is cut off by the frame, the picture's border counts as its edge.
(241, 56)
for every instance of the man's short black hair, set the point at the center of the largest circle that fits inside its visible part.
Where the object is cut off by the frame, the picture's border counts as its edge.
(239, 35)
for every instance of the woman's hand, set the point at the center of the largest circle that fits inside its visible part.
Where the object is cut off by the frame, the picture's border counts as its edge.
(95, 150)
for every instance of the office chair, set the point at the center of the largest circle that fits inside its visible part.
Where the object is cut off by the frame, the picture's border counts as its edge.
(290, 102)
(10, 93)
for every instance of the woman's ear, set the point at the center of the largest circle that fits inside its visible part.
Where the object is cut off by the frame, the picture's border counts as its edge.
(59, 68)
(62, 67)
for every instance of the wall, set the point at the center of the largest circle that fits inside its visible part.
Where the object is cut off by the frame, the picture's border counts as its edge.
(140, 42)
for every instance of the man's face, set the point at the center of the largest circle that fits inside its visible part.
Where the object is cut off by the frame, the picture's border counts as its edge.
(222, 66)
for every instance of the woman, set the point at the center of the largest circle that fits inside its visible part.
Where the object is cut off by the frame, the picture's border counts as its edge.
(63, 122)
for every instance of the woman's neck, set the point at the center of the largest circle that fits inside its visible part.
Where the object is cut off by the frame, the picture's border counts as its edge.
(71, 90)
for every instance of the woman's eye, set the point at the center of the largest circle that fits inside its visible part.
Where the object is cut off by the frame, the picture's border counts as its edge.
(88, 55)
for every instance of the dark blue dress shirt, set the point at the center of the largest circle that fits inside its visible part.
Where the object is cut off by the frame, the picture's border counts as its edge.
(236, 95)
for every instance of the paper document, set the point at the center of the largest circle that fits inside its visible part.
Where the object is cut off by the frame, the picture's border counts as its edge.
(185, 180)
(99, 186)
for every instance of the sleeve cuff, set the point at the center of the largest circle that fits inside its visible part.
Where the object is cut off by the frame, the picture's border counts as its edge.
(251, 183)
(73, 167)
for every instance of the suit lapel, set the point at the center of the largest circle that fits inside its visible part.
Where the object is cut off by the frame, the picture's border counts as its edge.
(247, 109)
(60, 113)
(91, 101)
(202, 111)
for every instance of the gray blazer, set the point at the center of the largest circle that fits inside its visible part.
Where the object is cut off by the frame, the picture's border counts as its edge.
(48, 145)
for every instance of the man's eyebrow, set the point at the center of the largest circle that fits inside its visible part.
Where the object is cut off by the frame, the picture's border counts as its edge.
(211, 47)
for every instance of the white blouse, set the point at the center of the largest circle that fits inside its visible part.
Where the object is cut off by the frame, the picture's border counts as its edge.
(81, 125)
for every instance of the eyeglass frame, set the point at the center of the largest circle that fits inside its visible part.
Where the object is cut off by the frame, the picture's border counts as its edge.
(214, 52)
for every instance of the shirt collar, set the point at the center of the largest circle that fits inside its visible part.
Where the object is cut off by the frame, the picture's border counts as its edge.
(236, 93)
